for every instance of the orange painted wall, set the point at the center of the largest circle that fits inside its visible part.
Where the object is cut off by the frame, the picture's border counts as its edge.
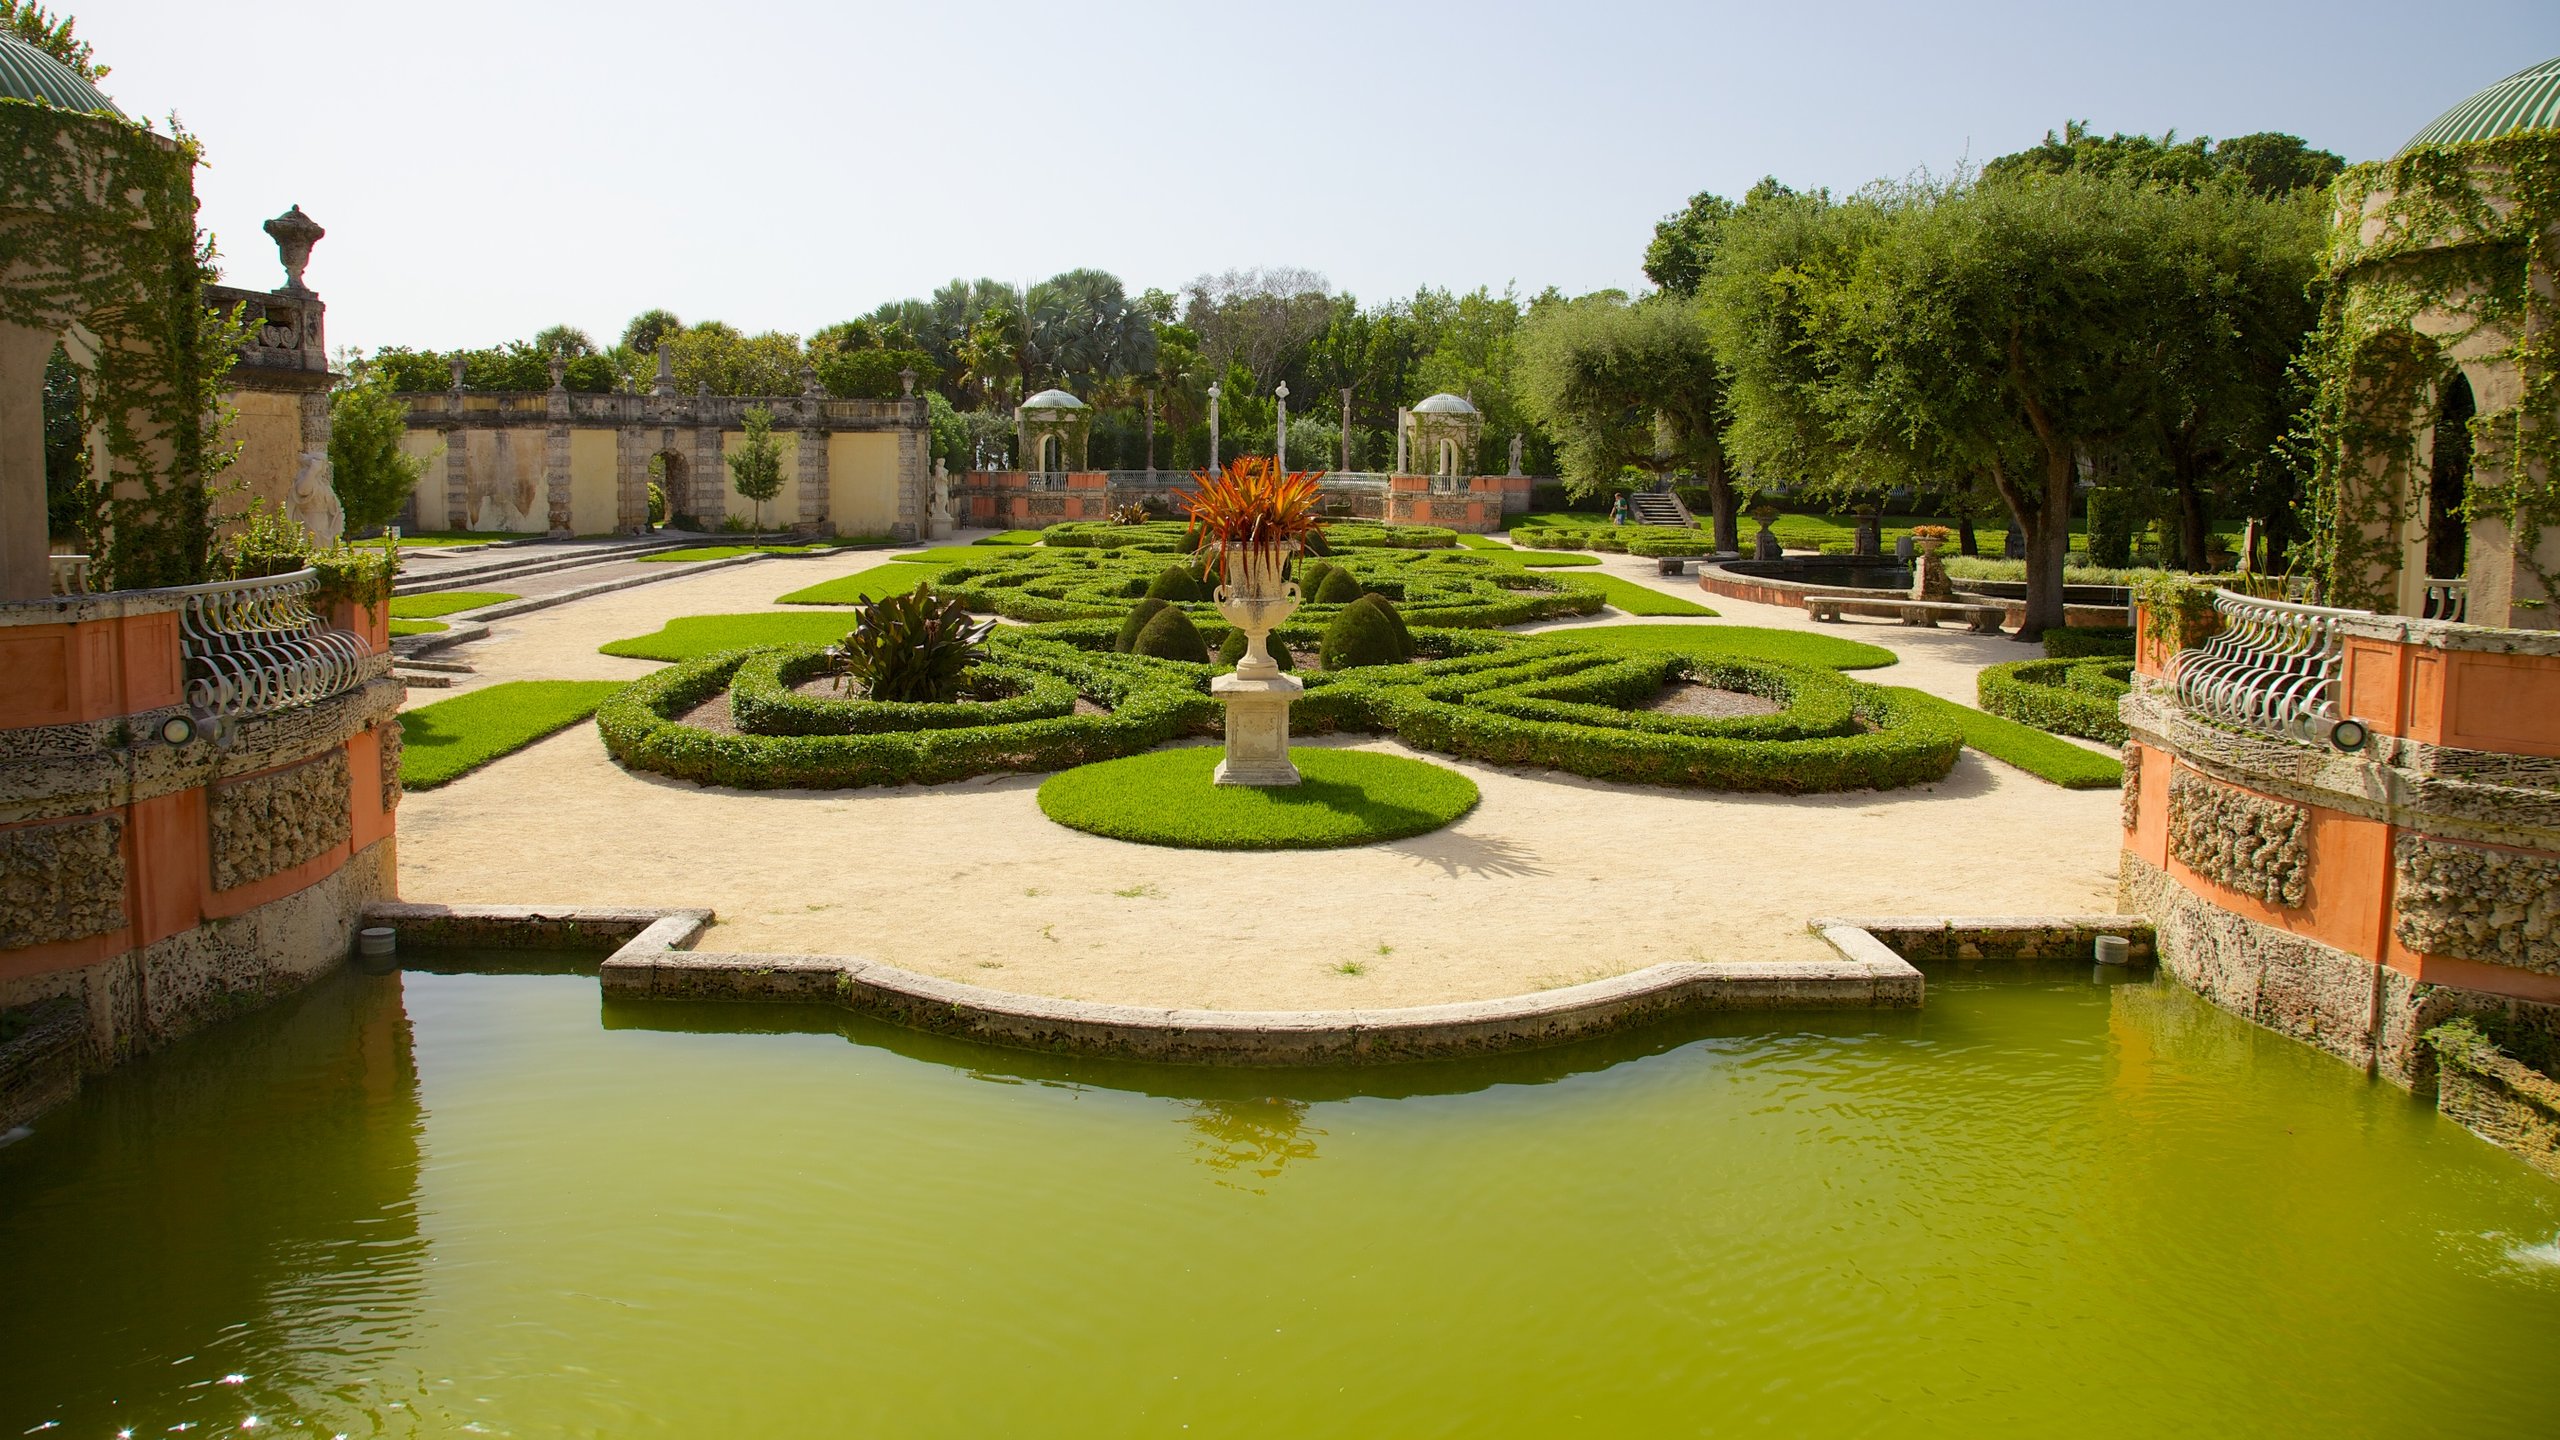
(88, 670)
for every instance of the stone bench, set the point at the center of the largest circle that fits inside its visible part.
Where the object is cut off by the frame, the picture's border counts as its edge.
(1678, 564)
(1982, 617)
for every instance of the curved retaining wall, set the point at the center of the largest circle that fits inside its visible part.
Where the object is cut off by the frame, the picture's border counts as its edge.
(155, 885)
(1790, 594)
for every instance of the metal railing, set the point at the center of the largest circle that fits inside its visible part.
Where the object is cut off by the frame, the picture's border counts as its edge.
(254, 646)
(2274, 666)
(2446, 600)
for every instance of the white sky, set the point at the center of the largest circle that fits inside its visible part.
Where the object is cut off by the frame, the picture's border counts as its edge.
(485, 169)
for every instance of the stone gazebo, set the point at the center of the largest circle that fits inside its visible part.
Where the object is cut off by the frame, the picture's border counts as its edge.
(1053, 429)
(1438, 437)
(2440, 329)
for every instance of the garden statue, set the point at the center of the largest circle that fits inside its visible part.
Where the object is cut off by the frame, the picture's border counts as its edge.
(1928, 573)
(938, 521)
(315, 502)
(1515, 453)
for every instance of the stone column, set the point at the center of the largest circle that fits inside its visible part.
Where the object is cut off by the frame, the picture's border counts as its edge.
(1346, 428)
(913, 483)
(1404, 423)
(26, 572)
(555, 453)
(710, 477)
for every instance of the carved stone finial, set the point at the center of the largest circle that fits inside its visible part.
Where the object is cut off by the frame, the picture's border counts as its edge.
(294, 233)
(907, 381)
(559, 370)
(809, 387)
(665, 384)
(457, 372)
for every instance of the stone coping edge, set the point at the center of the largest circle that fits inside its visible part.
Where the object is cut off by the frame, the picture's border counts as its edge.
(1973, 937)
(652, 961)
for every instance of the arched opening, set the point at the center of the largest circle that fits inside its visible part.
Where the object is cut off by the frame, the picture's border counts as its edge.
(1053, 454)
(672, 480)
(1448, 457)
(2448, 474)
(64, 503)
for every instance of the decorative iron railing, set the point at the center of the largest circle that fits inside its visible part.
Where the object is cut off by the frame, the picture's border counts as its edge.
(254, 646)
(2274, 666)
(2447, 600)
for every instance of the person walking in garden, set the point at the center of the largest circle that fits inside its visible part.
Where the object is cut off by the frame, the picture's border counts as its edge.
(1618, 509)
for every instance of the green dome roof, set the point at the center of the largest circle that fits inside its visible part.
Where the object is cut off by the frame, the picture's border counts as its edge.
(27, 73)
(2526, 100)
(1053, 400)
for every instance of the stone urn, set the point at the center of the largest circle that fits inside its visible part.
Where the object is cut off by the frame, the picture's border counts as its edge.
(1765, 546)
(1928, 573)
(1255, 599)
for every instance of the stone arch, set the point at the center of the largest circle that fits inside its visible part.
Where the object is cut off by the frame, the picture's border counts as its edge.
(673, 475)
(1053, 454)
(1446, 462)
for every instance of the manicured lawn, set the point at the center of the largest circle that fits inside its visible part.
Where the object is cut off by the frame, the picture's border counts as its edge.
(1638, 599)
(1349, 797)
(895, 578)
(1009, 537)
(451, 738)
(416, 627)
(1547, 559)
(1742, 642)
(1557, 517)
(434, 538)
(690, 637)
(956, 555)
(726, 552)
(2044, 756)
(1481, 542)
(443, 602)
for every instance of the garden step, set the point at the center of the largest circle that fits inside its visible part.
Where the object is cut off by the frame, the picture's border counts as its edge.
(1658, 509)
(449, 667)
(423, 679)
(473, 577)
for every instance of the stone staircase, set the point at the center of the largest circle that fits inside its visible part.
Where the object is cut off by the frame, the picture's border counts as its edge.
(1654, 507)
(424, 673)
(483, 572)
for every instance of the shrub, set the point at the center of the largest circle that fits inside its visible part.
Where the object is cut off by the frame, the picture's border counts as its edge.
(912, 647)
(1177, 584)
(1139, 614)
(2067, 697)
(764, 701)
(1150, 702)
(2080, 641)
(1395, 622)
(1231, 651)
(1086, 583)
(1311, 575)
(1170, 635)
(1340, 588)
(1362, 634)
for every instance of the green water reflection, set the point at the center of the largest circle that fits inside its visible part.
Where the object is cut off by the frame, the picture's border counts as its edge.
(450, 1203)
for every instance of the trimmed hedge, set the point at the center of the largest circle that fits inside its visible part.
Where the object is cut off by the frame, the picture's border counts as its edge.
(2067, 697)
(2077, 642)
(1646, 540)
(1150, 702)
(763, 700)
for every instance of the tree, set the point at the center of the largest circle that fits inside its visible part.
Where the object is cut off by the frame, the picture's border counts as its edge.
(718, 357)
(755, 467)
(1685, 244)
(649, 327)
(1260, 318)
(367, 467)
(1619, 383)
(2268, 163)
(566, 341)
(38, 27)
(2271, 163)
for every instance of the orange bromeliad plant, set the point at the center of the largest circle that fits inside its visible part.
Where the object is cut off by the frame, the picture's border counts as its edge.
(1252, 514)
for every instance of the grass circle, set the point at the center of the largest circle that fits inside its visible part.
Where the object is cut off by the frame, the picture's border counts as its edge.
(1348, 797)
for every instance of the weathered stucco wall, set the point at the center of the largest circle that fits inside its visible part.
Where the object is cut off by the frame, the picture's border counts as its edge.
(269, 429)
(595, 482)
(862, 483)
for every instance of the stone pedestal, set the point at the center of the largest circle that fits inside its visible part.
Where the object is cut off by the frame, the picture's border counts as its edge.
(1765, 546)
(1929, 576)
(1257, 727)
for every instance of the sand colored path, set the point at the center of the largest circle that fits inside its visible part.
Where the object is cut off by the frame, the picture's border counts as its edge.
(1553, 880)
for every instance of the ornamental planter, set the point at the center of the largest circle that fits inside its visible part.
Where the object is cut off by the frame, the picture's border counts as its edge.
(1254, 599)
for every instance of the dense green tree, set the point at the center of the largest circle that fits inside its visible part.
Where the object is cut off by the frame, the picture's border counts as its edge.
(2267, 163)
(649, 327)
(1685, 244)
(367, 467)
(2270, 163)
(567, 341)
(1621, 384)
(755, 467)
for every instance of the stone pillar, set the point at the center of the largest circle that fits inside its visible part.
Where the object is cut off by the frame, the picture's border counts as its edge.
(1404, 425)
(1346, 428)
(26, 572)
(457, 474)
(710, 477)
(913, 483)
(812, 457)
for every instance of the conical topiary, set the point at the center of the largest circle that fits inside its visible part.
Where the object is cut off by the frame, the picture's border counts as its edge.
(1360, 635)
(1139, 615)
(1176, 584)
(1231, 651)
(1339, 588)
(1395, 621)
(1171, 636)
(1310, 575)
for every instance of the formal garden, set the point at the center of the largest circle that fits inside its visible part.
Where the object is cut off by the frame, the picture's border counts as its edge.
(1938, 821)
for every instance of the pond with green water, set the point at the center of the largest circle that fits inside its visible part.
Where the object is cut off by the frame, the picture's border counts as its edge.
(452, 1203)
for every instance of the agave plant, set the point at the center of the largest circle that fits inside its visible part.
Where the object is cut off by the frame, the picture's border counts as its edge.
(1252, 511)
(912, 647)
(1133, 513)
